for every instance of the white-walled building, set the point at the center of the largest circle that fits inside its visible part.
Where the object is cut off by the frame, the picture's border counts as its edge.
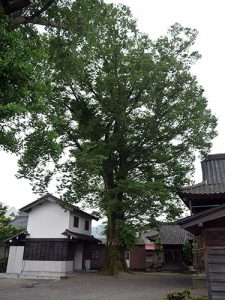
(57, 240)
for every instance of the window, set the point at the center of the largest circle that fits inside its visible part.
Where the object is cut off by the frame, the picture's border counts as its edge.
(86, 227)
(76, 222)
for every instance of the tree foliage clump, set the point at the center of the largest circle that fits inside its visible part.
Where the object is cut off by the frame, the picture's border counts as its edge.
(3, 209)
(6, 230)
(183, 295)
(158, 245)
(119, 120)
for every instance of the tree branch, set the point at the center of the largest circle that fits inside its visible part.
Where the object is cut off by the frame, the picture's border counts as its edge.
(35, 18)
(135, 101)
(73, 138)
(16, 22)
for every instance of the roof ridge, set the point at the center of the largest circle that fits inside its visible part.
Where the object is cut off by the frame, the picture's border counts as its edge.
(214, 156)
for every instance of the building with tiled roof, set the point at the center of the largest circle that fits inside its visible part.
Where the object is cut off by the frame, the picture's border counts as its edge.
(206, 202)
(173, 235)
(211, 191)
(54, 239)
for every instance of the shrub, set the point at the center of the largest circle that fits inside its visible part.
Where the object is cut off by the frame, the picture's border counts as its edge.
(184, 295)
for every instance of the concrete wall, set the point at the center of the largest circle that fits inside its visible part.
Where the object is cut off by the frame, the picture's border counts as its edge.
(15, 260)
(67, 266)
(81, 228)
(48, 220)
(47, 266)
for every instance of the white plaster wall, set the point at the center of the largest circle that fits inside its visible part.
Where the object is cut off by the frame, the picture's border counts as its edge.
(81, 228)
(15, 260)
(67, 266)
(47, 220)
(47, 266)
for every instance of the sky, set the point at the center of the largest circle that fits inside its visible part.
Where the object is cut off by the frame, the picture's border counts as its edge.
(154, 17)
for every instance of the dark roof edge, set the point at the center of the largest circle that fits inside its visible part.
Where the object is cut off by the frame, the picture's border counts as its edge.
(184, 189)
(67, 232)
(201, 214)
(70, 207)
(213, 156)
(36, 202)
(14, 236)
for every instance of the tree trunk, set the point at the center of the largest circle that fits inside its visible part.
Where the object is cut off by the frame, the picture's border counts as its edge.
(115, 260)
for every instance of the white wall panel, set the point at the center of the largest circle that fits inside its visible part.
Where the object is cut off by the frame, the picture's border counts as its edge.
(47, 220)
(15, 260)
(81, 228)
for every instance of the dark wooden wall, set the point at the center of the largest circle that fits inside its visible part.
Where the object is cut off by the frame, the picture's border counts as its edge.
(49, 249)
(97, 262)
(215, 263)
(138, 258)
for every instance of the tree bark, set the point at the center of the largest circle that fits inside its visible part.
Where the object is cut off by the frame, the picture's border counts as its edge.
(115, 260)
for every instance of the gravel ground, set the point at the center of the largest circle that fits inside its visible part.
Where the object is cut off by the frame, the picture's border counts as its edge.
(93, 286)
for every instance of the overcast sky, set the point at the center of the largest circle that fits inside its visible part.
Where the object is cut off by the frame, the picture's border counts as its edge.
(155, 17)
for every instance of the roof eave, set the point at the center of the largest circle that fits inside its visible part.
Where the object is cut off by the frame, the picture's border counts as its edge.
(48, 196)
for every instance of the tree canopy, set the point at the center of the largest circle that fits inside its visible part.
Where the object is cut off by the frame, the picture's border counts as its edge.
(3, 209)
(116, 120)
(6, 230)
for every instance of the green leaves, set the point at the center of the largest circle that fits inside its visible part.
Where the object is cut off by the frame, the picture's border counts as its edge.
(127, 235)
(113, 117)
(3, 209)
(6, 230)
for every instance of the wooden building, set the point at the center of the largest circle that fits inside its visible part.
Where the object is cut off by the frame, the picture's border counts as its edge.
(144, 256)
(206, 202)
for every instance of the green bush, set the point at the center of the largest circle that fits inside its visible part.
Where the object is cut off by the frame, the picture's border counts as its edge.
(184, 295)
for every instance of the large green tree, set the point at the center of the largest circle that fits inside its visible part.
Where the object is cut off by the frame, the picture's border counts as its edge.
(121, 123)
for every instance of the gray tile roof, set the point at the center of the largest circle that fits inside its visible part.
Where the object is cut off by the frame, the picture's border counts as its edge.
(170, 235)
(202, 189)
(173, 235)
(144, 237)
(213, 171)
(20, 222)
